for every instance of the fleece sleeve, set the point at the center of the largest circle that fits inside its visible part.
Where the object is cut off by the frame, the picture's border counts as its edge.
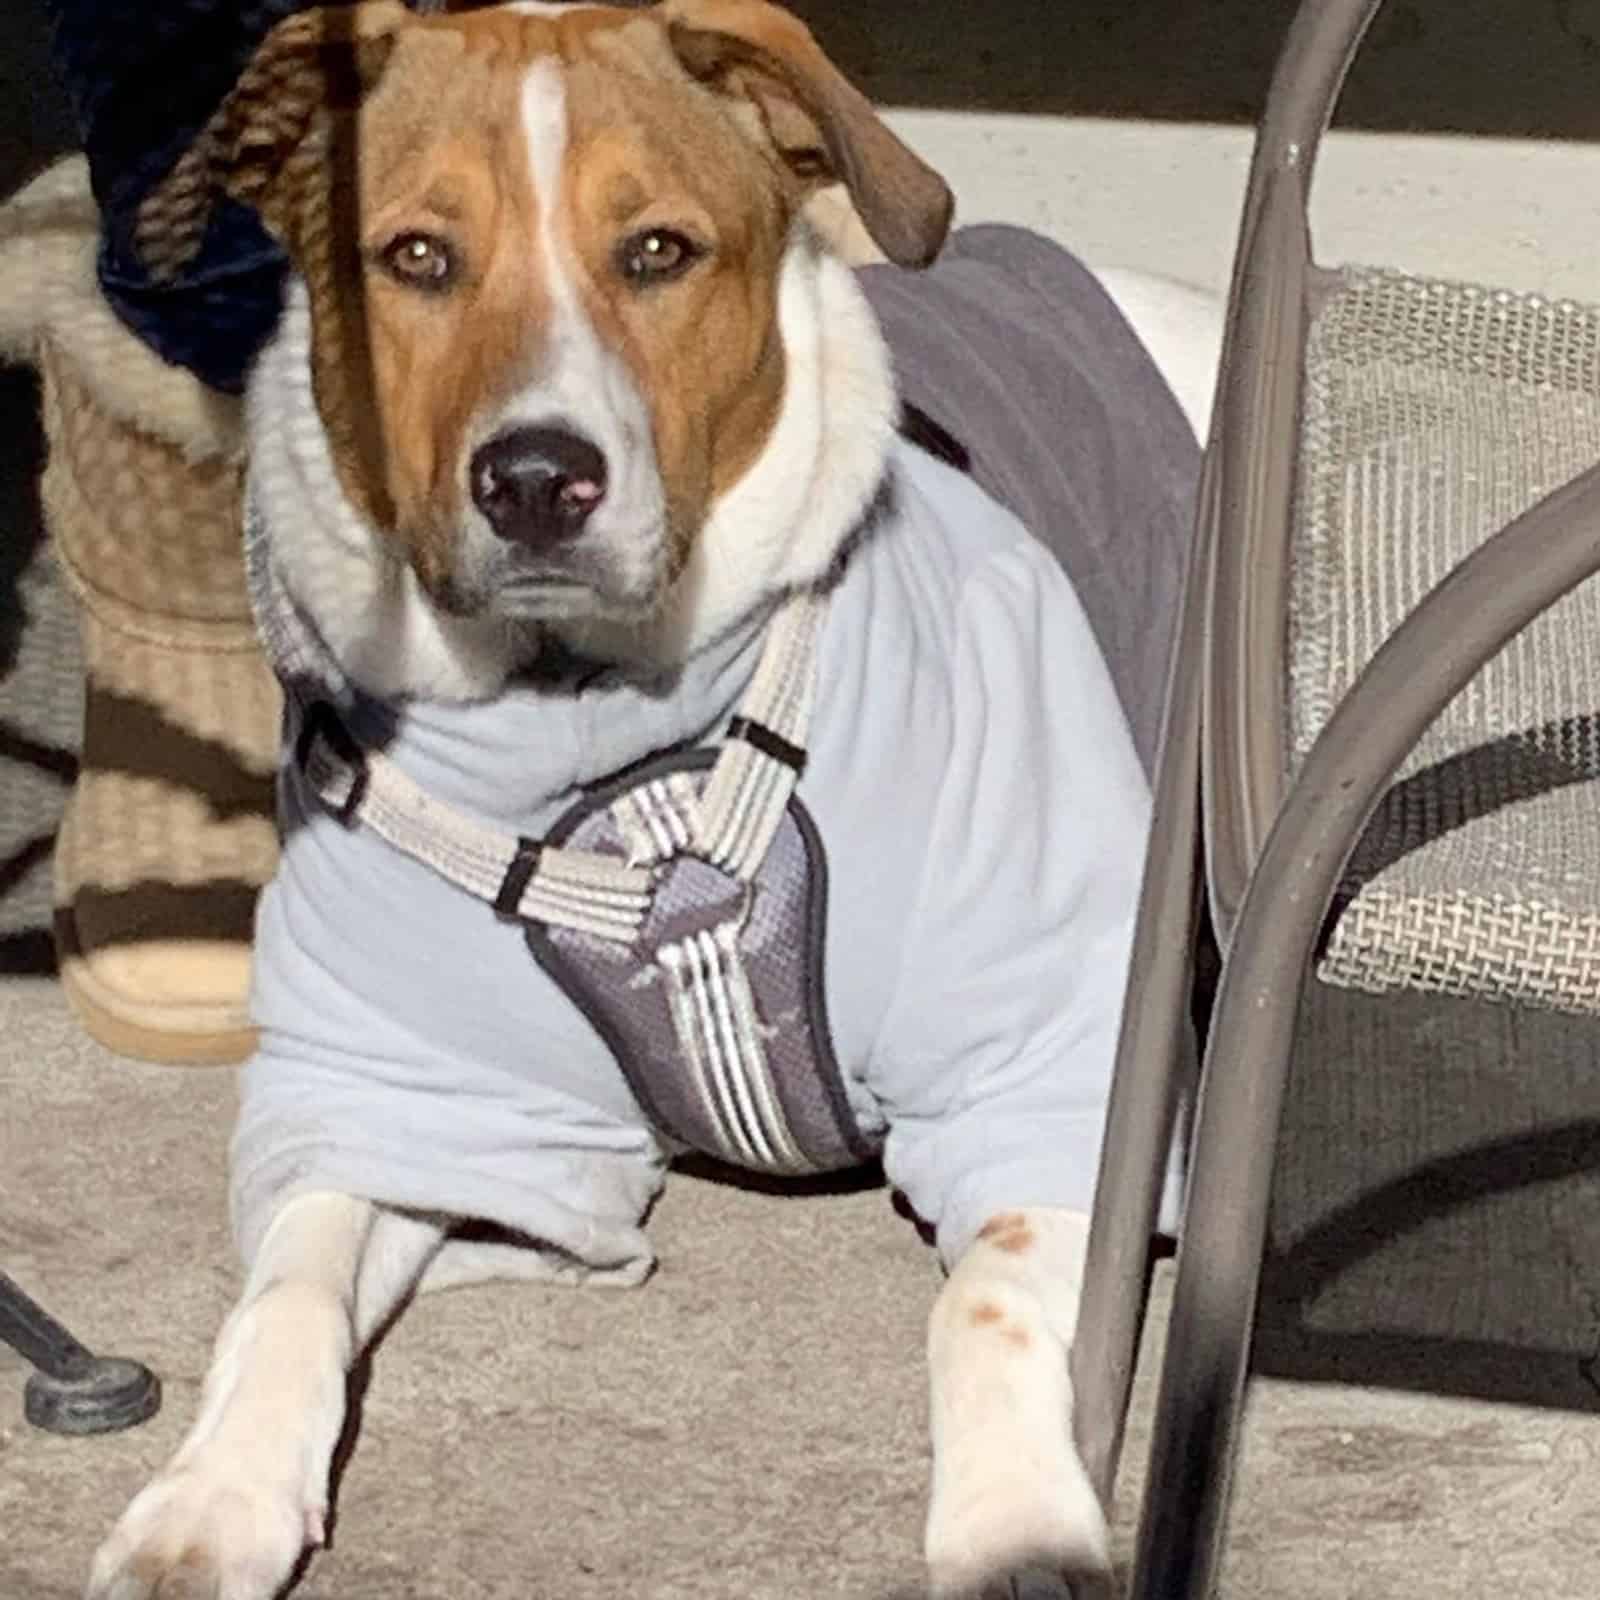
(994, 1065)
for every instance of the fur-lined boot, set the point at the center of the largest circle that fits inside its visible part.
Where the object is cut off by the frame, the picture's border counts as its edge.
(168, 834)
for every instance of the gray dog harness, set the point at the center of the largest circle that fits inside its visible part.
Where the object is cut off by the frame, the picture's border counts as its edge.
(681, 907)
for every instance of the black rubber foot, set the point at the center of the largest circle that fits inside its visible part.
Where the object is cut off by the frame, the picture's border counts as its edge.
(109, 1394)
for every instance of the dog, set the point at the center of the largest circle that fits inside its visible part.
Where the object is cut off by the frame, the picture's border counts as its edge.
(571, 413)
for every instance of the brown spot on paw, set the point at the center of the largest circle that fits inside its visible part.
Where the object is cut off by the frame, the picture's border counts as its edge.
(986, 1314)
(193, 1576)
(1009, 1231)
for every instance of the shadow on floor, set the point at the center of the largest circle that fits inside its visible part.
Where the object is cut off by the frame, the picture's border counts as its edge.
(35, 125)
(1443, 66)
(21, 531)
(1417, 1364)
(1437, 1183)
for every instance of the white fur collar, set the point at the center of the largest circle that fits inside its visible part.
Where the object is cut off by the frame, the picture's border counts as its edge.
(49, 292)
(781, 526)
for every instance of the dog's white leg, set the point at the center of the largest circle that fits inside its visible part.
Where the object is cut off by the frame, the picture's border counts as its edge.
(246, 1493)
(1011, 1498)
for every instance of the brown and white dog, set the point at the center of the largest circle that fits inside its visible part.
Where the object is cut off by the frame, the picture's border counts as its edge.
(558, 161)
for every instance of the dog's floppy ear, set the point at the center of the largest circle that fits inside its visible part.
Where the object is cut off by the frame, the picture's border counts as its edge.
(312, 63)
(821, 125)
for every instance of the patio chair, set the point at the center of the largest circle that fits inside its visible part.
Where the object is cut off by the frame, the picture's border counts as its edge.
(1382, 733)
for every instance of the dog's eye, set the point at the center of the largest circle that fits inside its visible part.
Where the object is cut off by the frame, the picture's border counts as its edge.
(656, 255)
(420, 260)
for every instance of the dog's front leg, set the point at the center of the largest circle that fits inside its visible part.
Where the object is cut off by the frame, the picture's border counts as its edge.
(1012, 1508)
(233, 1511)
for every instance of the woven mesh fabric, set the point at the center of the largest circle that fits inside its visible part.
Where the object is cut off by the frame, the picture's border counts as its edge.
(1434, 413)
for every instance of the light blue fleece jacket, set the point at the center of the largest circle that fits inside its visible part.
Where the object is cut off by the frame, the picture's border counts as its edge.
(978, 790)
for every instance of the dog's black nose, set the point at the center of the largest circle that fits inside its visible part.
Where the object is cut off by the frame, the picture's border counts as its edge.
(538, 485)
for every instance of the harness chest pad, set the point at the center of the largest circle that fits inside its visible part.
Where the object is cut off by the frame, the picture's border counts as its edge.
(715, 1010)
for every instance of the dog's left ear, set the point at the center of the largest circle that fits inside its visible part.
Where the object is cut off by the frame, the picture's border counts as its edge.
(821, 125)
(312, 66)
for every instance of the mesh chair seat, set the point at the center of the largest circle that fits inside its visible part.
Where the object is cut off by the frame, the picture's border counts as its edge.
(1433, 414)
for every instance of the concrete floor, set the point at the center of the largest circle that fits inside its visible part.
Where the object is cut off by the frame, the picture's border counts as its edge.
(748, 1426)
(751, 1424)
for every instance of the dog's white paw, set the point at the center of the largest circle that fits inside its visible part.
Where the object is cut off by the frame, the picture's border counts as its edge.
(1013, 1515)
(1013, 1526)
(201, 1531)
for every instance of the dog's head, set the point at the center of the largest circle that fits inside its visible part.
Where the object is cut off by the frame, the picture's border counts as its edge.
(541, 248)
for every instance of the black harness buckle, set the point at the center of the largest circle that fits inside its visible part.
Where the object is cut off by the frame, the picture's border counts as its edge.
(768, 741)
(518, 875)
(322, 722)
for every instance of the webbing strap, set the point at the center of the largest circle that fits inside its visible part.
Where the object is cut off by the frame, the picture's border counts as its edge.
(764, 754)
(731, 824)
(578, 889)
(719, 1038)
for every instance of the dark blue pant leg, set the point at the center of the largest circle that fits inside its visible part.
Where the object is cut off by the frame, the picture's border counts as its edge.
(144, 80)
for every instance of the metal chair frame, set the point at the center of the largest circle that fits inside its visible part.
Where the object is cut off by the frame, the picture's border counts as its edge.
(1271, 847)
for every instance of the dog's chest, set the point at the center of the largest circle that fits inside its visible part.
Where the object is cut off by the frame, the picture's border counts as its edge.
(434, 976)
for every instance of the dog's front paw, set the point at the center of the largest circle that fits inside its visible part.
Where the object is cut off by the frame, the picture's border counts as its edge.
(200, 1532)
(1017, 1529)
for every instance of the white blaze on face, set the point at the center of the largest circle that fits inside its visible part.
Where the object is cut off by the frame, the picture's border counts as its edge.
(579, 384)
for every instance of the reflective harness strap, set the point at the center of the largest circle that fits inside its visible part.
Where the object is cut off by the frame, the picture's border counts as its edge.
(719, 1035)
(586, 891)
(763, 753)
(520, 878)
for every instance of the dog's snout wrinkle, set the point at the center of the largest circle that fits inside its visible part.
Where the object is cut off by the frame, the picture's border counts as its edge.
(538, 486)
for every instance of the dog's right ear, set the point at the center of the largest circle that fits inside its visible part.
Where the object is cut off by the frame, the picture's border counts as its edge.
(312, 66)
(816, 122)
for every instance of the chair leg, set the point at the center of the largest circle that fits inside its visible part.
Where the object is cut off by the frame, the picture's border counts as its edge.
(1153, 1051)
(1218, 1276)
(1153, 1061)
(72, 1390)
